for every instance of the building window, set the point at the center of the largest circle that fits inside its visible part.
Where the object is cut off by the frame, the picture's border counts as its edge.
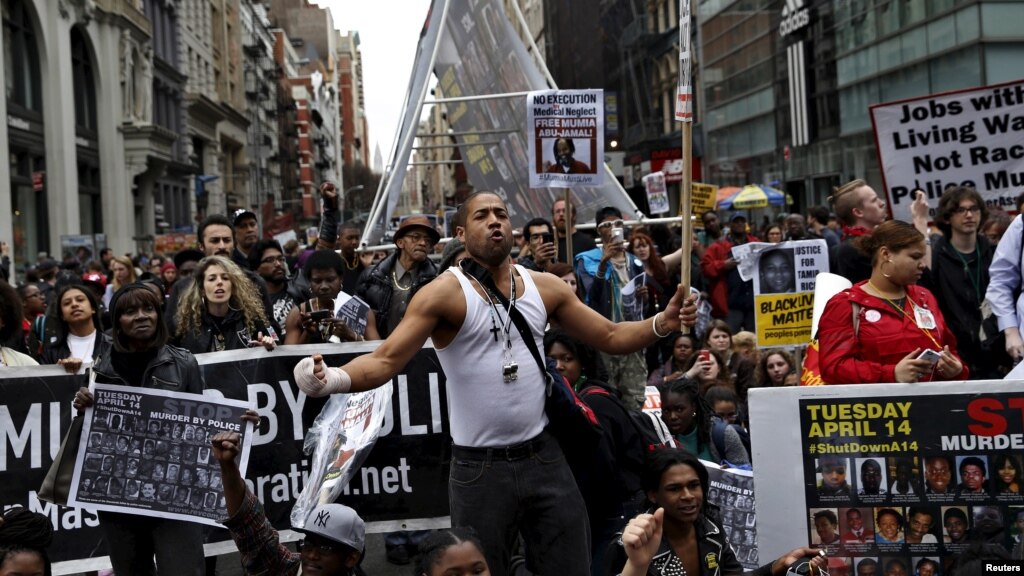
(84, 85)
(21, 57)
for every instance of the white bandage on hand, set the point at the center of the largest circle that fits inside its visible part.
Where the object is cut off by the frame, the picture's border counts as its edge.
(336, 380)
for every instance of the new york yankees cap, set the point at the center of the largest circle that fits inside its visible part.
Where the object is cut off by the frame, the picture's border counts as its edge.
(338, 523)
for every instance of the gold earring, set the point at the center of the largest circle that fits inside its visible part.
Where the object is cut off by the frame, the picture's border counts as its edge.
(882, 268)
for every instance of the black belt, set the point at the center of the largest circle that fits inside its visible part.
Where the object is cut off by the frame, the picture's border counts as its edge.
(515, 452)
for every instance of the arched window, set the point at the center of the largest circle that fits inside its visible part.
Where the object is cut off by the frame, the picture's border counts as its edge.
(90, 207)
(84, 84)
(21, 58)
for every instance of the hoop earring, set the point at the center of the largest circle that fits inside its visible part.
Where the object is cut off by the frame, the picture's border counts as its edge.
(881, 268)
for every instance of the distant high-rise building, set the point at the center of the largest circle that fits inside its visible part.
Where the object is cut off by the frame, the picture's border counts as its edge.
(353, 104)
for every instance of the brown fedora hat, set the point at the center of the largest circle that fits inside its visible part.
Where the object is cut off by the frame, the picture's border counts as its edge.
(417, 223)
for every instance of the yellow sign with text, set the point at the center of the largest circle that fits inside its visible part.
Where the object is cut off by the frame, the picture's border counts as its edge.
(783, 319)
(703, 197)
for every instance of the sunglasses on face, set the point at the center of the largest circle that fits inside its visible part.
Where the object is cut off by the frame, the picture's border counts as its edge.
(611, 224)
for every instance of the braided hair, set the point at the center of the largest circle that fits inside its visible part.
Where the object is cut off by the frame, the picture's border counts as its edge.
(434, 546)
(25, 532)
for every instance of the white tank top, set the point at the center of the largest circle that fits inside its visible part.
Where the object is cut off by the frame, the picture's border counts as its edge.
(484, 411)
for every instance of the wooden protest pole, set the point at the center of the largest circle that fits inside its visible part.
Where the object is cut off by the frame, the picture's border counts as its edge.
(569, 213)
(684, 112)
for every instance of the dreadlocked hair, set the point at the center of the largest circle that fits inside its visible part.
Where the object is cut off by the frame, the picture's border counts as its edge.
(434, 546)
(25, 532)
(702, 411)
(244, 297)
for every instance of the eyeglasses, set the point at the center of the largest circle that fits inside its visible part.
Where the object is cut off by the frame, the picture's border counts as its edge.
(611, 223)
(273, 260)
(322, 547)
(417, 238)
(965, 209)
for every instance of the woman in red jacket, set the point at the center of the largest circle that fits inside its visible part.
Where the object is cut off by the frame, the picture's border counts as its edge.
(877, 331)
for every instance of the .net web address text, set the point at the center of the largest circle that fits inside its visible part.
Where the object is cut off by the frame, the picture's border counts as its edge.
(857, 447)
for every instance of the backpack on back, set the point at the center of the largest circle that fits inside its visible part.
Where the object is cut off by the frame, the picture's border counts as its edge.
(718, 427)
(649, 427)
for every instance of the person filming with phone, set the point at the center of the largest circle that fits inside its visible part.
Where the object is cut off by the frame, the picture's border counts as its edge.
(605, 273)
(541, 250)
(886, 328)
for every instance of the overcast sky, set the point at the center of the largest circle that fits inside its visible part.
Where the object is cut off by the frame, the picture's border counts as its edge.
(388, 32)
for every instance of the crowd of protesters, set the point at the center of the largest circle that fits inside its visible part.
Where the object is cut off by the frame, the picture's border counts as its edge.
(916, 288)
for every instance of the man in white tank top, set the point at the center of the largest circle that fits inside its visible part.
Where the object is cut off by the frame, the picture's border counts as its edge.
(508, 476)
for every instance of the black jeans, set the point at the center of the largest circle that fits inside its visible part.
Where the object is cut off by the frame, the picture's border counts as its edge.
(527, 489)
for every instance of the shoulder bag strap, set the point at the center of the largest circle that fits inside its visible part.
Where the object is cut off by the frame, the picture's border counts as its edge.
(469, 266)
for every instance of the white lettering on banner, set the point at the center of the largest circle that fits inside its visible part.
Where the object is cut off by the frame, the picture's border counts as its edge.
(403, 401)
(295, 403)
(435, 404)
(265, 411)
(60, 517)
(390, 479)
(31, 433)
(285, 487)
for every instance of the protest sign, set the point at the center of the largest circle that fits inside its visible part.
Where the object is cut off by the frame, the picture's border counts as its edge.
(566, 137)
(968, 137)
(632, 303)
(703, 197)
(147, 452)
(733, 492)
(353, 310)
(396, 487)
(908, 471)
(784, 279)
(340, 440)
(684, 90)
(657, 194)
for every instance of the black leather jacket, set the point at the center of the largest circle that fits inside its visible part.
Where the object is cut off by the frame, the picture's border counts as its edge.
(236, 335)
(51, 354)
(173, 369)
(716, 555)
(375, 288)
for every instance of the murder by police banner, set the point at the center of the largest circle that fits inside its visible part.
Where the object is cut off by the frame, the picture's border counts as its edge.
(399, 482)
(897, 476)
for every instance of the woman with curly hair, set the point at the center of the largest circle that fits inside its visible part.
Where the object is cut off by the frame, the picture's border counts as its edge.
(122, 273)
(221, 310)
(777, 368)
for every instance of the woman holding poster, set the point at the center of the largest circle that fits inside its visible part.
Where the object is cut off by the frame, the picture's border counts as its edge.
(141, 357)
(898, 333)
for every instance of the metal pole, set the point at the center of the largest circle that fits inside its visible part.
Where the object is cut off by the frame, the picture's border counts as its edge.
(381, 199)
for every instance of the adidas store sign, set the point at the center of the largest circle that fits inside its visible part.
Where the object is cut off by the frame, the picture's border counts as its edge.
(794, 17)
